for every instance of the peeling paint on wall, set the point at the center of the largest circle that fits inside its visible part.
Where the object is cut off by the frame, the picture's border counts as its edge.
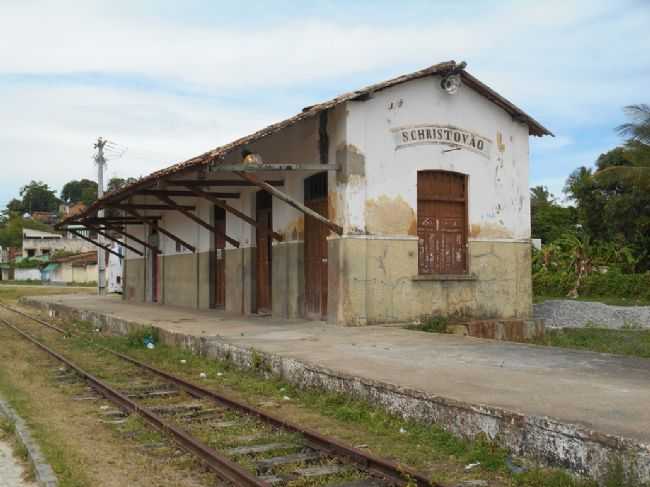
(295, 230)
(352, 163)
(390, 216)
(332, 198)
(489, 230)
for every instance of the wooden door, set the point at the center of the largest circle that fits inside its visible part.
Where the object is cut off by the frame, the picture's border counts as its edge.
(263, 253)
(316, 263)
(154, 260)
(442, 222)
(219, 259)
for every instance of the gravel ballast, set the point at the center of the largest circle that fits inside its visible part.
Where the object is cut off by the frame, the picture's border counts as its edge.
(566, 313)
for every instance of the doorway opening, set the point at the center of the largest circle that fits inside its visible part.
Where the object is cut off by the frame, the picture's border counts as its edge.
(154, 266)
(218, 259)
(316, 263)
(263, 259)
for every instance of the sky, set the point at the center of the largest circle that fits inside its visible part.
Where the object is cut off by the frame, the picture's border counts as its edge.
(167, 80)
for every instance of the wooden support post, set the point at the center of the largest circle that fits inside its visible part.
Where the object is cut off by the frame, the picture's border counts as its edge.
(106, 235)
(222, 204)
(155, 226)
(287, 199)
(97, 244)
(194, 218)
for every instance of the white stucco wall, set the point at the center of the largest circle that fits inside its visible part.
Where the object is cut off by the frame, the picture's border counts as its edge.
(27, 274)
(498, 185)
(75, 245)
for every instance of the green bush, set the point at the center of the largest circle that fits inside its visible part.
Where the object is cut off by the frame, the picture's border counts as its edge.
(613, 283)
(547, 283)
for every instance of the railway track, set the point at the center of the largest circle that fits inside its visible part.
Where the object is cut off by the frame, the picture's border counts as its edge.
(243, 445)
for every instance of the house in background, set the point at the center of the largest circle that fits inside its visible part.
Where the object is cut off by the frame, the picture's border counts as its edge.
(80, 268)
(37, 243)
(7, 259)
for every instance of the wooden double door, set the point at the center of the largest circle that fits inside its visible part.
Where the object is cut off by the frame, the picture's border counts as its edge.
(316, 259)
(442, 222)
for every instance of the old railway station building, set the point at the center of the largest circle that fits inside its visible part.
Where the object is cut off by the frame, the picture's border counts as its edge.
(402, 199)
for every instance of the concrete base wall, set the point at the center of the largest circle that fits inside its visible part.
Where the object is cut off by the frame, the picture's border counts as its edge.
(288, 279)
(204, 287)
(184, 278)
(134, 280)
(240, 280)
(375, 280)
(179, 280)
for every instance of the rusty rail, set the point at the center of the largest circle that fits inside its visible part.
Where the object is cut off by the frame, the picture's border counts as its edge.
(221, 465)
(394, 472)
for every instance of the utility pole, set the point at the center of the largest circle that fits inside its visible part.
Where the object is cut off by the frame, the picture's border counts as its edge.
(101, 253)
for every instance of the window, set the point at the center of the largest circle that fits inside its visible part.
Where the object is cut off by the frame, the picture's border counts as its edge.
(442, 222)
(31, 252)
(45, 251)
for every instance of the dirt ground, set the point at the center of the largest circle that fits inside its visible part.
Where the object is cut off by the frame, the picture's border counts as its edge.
(12, 472)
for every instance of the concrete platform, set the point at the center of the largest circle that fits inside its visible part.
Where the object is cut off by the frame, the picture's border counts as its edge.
(568, 408)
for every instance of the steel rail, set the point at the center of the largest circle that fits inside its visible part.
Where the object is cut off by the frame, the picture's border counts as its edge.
(397, 473)
(222, 466)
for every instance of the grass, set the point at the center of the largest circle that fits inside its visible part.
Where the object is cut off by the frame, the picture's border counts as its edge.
(430, 324)
(425, 447)
(11, 293)
(611, 300)
(63, 463)
(626, 341)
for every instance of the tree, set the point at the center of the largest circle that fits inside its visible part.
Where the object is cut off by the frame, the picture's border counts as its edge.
(612, 210)
(549, 219)
(14, 207)
(84, 190)
(117, 183)
(37, 196)
(630, 164)
(11, 233)
(638, 129)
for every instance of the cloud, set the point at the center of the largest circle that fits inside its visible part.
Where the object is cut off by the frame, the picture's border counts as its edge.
(49, 131)
(171, 81)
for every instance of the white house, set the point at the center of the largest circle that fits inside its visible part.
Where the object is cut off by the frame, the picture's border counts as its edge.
(404, 198)
(37, 243)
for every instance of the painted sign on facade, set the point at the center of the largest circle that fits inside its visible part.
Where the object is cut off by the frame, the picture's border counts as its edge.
(440, 134)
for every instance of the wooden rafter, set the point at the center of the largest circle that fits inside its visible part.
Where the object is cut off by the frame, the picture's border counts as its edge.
(119, 229)
(289, 200)
(106, 235)
(146, 206)
(222, 204)
(270, 167)
(180, 192)
(172, 204)
(155, 226)
(94, 242)
(219, 182)
(117, 219)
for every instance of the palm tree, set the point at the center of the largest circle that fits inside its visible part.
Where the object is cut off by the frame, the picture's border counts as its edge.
(639, 128)
(636, 151)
